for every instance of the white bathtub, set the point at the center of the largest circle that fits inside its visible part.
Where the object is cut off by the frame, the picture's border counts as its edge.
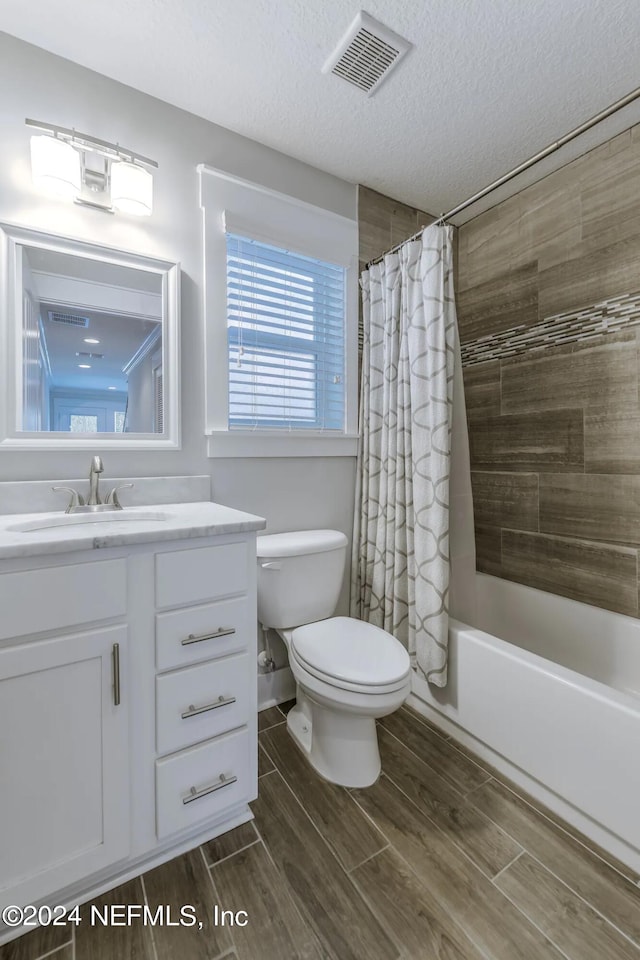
(548, 690)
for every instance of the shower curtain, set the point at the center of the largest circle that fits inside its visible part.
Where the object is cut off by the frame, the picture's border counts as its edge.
(400, 567)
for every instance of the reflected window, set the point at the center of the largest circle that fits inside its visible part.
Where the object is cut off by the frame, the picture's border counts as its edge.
(78, 423)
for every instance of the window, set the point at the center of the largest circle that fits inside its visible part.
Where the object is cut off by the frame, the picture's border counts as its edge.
(285, 316)
(281, 322)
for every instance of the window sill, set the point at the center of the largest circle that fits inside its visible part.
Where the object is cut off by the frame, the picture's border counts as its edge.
(239, 443)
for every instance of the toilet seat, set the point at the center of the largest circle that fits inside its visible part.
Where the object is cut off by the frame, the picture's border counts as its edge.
(350, 654)
(342, 688)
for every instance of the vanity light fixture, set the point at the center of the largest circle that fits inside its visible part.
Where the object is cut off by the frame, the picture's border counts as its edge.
(90, 340)
(85, 366)
(89, 171)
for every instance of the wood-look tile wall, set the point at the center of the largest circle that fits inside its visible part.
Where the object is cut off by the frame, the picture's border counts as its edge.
(555, 431)
(383, 222)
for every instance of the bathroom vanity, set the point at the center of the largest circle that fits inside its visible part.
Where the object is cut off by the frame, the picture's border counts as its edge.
(127, 693)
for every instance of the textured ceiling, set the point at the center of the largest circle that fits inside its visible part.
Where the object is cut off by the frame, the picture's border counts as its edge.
(487, 84)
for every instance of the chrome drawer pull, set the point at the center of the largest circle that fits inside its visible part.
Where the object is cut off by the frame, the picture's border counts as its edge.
(115, 663)
(220, 632)
(195, 794)
(195, 711)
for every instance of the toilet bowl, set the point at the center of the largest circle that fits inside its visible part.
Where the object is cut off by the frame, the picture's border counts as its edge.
(348, 673)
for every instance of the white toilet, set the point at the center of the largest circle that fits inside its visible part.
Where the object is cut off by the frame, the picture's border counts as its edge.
(347, 672)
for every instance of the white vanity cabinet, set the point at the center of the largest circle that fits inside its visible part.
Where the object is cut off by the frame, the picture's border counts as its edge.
(206, 683)
(64, 769)
(128, 710)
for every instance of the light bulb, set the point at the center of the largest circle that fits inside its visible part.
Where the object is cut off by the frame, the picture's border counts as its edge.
(131, 188)
(55, 166)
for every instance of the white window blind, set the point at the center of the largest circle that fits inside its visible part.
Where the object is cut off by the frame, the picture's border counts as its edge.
(286, 334)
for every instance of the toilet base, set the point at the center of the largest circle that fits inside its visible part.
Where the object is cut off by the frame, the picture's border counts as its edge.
(341, 746)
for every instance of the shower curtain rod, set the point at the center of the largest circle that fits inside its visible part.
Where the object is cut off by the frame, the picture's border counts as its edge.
(597, 118)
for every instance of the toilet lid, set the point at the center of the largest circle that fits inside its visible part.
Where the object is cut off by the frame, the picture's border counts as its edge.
(299, 542)
(351, 650)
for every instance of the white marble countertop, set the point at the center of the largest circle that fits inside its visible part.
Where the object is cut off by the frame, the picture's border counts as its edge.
(157, 522)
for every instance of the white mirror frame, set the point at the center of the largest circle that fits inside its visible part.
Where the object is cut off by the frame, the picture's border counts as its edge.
(12, 237)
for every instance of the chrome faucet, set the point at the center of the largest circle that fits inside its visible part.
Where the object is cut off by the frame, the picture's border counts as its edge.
(93, 503)
(94, 482)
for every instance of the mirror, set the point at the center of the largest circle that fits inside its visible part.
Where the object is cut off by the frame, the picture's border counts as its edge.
(94, 337)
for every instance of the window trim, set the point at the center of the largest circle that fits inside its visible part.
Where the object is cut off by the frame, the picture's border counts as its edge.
(280, 443)
(232, 204)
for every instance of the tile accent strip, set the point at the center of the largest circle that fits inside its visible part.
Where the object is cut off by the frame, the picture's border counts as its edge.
(607, 316)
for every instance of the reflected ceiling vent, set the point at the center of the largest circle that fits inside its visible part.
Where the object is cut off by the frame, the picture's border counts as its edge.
(70, 319)
(367, 54)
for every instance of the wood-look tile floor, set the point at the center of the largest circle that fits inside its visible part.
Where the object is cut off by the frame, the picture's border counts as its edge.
(439, 860)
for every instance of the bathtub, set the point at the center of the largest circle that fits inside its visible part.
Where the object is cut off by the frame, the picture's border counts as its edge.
(548, 690)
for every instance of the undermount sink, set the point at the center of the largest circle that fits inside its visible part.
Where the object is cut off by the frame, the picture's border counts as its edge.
(85, 519)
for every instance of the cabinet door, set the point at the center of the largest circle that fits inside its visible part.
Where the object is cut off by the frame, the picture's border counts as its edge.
(64, 765)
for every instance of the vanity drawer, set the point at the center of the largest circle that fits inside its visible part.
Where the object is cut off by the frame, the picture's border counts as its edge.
(199, 633)
(51, 598)
(195, 776)
(201, 702)
(204, 573)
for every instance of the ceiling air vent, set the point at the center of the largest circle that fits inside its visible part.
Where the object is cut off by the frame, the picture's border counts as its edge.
(367, 53)
(70, 319)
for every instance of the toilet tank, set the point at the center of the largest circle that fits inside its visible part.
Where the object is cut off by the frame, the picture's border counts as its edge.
(299, 576)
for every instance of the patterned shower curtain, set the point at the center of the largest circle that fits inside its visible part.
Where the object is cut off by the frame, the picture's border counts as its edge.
(400, 568)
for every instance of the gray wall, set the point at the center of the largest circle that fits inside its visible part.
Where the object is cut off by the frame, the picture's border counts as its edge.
(288, 492)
